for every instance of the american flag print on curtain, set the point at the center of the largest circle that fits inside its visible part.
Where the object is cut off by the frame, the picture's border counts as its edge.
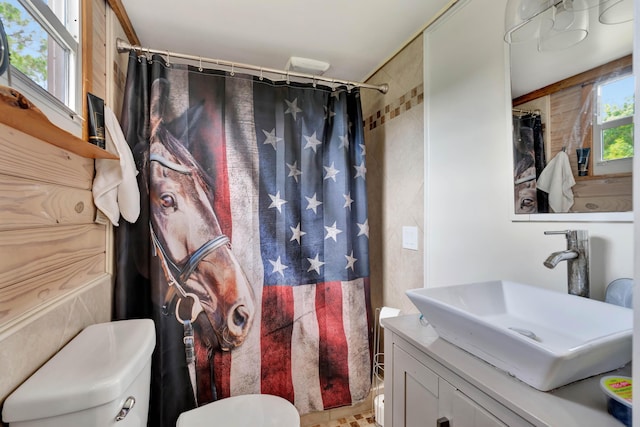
(288, 163)
(310, 231)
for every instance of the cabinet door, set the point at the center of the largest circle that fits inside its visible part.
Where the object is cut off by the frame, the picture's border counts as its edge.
(467, 413)
(415, 392)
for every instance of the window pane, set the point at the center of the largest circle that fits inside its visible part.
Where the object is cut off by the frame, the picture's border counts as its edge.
(58, 7)
(617, 142)
(616, 99)
(33, 51)
(67, 14)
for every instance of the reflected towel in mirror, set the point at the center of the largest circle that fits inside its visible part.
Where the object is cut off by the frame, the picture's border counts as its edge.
(557, 180)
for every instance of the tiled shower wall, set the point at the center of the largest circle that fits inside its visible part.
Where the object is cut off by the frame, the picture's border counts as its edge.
(394, 139)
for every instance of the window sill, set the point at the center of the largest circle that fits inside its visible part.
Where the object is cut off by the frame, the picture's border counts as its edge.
(601, 177)
(36, 125)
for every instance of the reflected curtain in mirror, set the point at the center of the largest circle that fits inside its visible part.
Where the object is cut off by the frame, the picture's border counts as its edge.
(529, 161)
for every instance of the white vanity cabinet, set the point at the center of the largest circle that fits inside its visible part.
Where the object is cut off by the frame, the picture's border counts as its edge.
(421, 398)
(466, 412)
(431, 383)
(415, 392)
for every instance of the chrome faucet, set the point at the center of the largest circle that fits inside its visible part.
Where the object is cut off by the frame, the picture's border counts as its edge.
(577, 257)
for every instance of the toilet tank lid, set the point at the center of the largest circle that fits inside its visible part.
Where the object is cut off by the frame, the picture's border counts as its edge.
(94, 368)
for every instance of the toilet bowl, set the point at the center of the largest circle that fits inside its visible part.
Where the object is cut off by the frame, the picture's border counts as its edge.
(102, 377)
(249, 410)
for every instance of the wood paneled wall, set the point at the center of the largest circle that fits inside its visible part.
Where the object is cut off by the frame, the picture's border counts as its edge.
(49, 243)
(570, 128)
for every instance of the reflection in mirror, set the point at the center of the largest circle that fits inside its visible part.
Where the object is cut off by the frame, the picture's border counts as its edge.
(572, 106)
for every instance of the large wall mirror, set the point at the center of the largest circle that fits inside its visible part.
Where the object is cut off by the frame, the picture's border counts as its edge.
(572, 94)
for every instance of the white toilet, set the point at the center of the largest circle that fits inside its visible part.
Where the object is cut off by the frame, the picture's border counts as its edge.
(102, 377)
(90, 380)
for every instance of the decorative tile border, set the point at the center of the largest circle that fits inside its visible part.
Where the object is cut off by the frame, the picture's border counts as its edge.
(407, 101)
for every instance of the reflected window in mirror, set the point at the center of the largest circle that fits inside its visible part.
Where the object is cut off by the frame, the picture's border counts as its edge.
(613, 126)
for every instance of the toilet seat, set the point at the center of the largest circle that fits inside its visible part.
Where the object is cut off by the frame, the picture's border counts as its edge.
(250, 410)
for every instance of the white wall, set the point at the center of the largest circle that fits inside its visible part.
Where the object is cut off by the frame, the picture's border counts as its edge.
(469, 234)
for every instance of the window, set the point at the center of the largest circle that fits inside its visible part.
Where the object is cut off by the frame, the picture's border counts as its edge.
(613, 126)
(43, 43)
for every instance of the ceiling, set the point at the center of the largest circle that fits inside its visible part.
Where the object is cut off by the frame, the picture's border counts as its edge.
(532, 70)
(356, 37)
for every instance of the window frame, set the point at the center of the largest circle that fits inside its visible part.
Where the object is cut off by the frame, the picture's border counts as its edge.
(67, 117)
(615, 166)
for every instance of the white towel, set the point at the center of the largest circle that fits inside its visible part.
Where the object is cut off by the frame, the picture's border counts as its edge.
(115, 188)
(557, 180)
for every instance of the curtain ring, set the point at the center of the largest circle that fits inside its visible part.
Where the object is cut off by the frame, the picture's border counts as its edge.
(200, 67)
(232, 72)
(261, 76)
(314, 81)
(168, 59)
(288, 81)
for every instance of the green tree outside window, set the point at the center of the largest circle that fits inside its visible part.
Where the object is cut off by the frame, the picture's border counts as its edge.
(28, 42)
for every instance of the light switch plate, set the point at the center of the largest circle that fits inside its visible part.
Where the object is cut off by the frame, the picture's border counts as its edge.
(410, 238)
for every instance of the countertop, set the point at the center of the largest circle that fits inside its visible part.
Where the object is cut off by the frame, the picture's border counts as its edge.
(579, 404)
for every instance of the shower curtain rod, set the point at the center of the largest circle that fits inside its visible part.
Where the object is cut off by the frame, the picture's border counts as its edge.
(124, 46)
(519, 111)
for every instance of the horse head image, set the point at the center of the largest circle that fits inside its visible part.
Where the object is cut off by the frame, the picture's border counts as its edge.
(204, 280)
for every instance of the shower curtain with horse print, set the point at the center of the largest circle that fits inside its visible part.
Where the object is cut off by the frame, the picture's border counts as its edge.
(251, 252)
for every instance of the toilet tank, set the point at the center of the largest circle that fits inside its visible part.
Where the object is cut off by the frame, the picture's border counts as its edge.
(89, 380)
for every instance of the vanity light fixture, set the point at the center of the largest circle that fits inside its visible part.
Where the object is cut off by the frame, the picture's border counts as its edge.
(615, 11)
(558, 24)
(521, 17)
(565, 26)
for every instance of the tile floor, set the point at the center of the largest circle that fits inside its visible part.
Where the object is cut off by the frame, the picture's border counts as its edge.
(358, 415)
(358, 420)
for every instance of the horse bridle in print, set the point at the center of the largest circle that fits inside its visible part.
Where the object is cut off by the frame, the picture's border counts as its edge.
(177, 277)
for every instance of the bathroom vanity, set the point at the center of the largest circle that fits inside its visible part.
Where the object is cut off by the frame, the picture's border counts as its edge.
(430, 382)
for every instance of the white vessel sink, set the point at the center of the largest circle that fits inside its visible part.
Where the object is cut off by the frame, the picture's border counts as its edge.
(546, 339)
